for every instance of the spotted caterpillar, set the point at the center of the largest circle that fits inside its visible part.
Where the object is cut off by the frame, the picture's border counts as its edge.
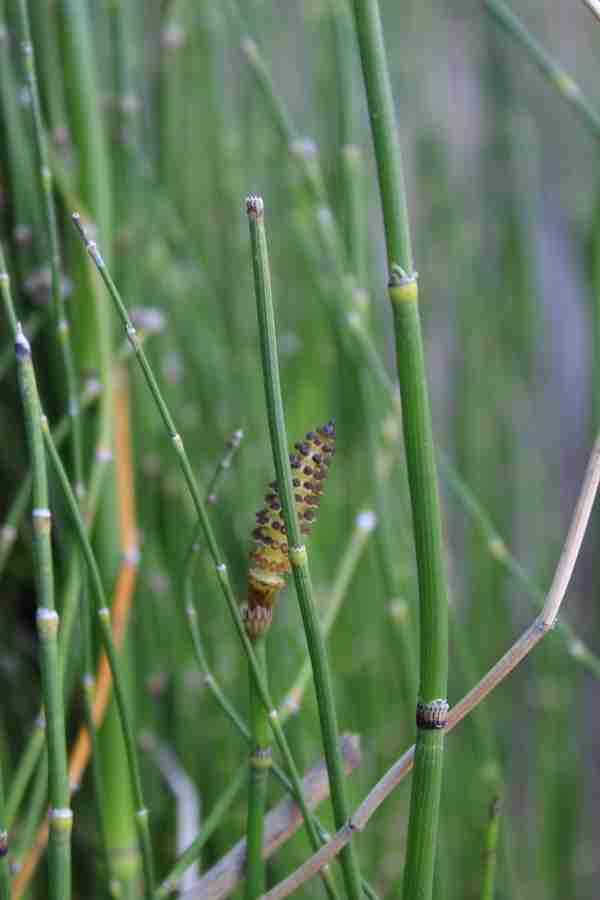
(269, 558)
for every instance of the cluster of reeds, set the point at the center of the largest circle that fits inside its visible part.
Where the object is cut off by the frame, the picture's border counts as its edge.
(173, 720)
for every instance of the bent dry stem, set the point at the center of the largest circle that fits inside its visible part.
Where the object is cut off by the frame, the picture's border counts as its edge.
(519, 650)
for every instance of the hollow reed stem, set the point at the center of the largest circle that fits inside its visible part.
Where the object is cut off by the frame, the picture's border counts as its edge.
(297, 552)
(432, 705)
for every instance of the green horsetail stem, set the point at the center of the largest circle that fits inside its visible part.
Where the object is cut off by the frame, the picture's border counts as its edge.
(432, 705)
(103, 618)
(61, 817)
(269, 564)
(297, 550)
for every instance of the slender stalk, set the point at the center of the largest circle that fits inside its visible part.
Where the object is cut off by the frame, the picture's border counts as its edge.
(223, 466)
(81, 748)
(88, 396)
(297, 553)
(35, 744)
(492, 831)
(27, 764)
(432, 705)
(61, 817)
(103, 616)
(213, 547)
(60, 318)
(88, 684)
(556, 75)
(541, 626)
(364, 525)
(260, 762)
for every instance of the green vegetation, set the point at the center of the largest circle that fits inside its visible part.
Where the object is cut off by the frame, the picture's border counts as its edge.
(163, 733)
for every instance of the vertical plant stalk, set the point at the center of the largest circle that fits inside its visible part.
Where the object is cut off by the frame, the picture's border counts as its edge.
(103, 616)
(209, 537)
(365, 522)
(297, 551)
(258, 779)
(432, 705)
(80, 753)
(61, 817)
(58, 303)
(492, 832)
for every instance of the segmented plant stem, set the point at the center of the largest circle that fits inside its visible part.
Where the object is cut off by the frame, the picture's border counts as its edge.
(60, 317)
(492, 832)
(297, 550)
(61, 817)
(420, 459)
(103, 617)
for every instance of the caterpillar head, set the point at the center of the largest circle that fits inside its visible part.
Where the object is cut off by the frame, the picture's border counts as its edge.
(269, 560)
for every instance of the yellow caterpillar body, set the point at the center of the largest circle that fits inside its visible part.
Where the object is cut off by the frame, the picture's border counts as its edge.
(269, 555)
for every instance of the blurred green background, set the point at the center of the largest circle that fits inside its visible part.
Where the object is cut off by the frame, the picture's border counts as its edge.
(161, 118)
